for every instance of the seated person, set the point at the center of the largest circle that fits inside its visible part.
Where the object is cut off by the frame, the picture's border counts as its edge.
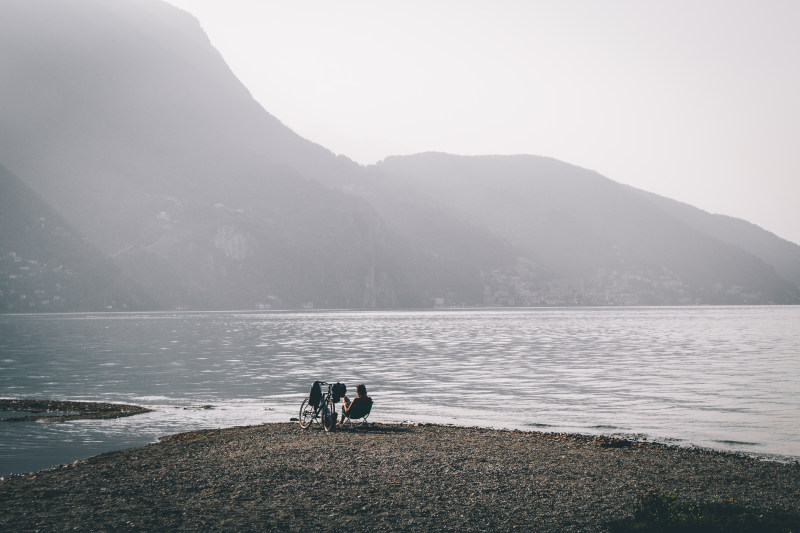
(361, 400)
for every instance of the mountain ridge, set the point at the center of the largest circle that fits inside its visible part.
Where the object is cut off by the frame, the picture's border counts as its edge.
(135, 146)
(580, 221)
(781, 253)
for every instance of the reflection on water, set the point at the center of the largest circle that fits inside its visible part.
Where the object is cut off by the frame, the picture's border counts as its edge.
(726, 378)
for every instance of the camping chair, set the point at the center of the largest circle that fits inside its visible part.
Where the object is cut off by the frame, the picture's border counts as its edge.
(358, 411)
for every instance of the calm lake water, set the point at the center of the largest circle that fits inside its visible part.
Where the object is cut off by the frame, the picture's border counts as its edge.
(720, 377)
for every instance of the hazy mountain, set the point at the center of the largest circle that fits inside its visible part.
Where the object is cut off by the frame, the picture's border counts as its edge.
(779, 253)
(46, 266)
(579, 227)
(122, 117)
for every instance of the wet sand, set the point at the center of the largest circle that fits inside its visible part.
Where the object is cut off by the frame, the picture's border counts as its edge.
(384, 477)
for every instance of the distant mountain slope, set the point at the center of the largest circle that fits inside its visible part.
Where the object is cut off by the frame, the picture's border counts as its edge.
(577, 224)
(105, 102)
(124, 118)
(46, 266)
(783, 255)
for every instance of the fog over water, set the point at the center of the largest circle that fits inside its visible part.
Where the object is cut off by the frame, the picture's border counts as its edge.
(719, 377)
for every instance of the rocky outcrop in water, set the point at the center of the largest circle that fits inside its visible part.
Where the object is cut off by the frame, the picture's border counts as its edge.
(63, 411)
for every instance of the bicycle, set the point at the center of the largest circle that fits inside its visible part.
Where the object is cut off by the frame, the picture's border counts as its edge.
(324, 410)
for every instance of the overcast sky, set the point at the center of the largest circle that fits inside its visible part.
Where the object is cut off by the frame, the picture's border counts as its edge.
(697, 100)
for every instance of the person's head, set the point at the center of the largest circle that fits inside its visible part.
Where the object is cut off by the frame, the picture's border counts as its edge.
(361, 389)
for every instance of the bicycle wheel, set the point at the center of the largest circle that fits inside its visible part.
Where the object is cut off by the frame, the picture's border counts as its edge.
(306, 414)
(328, 413)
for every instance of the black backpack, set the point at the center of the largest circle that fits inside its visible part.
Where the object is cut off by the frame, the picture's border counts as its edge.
(337, 391)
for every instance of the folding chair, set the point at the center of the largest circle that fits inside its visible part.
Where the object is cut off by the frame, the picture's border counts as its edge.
(357, 411)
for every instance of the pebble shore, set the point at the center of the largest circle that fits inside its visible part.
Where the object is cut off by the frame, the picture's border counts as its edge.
(381, 477)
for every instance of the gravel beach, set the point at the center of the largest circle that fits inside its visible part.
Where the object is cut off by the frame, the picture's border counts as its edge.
(382, 477)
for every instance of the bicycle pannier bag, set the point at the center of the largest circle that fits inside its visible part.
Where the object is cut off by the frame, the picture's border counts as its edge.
(316, 395)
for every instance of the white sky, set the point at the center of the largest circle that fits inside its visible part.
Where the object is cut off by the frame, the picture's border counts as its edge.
(697, 100)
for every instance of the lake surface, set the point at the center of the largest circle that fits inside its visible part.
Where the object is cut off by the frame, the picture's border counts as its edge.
(720, 377)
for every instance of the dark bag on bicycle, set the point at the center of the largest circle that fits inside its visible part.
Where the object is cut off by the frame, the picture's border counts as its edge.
(316, 395)
(337, 391)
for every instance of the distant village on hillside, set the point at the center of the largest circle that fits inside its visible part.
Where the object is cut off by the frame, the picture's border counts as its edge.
(607, 287)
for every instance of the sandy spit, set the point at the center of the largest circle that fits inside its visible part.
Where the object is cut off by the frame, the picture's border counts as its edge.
(385, 477)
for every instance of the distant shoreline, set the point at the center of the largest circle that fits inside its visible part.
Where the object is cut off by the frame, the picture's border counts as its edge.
(277, 477)
(312, 310)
